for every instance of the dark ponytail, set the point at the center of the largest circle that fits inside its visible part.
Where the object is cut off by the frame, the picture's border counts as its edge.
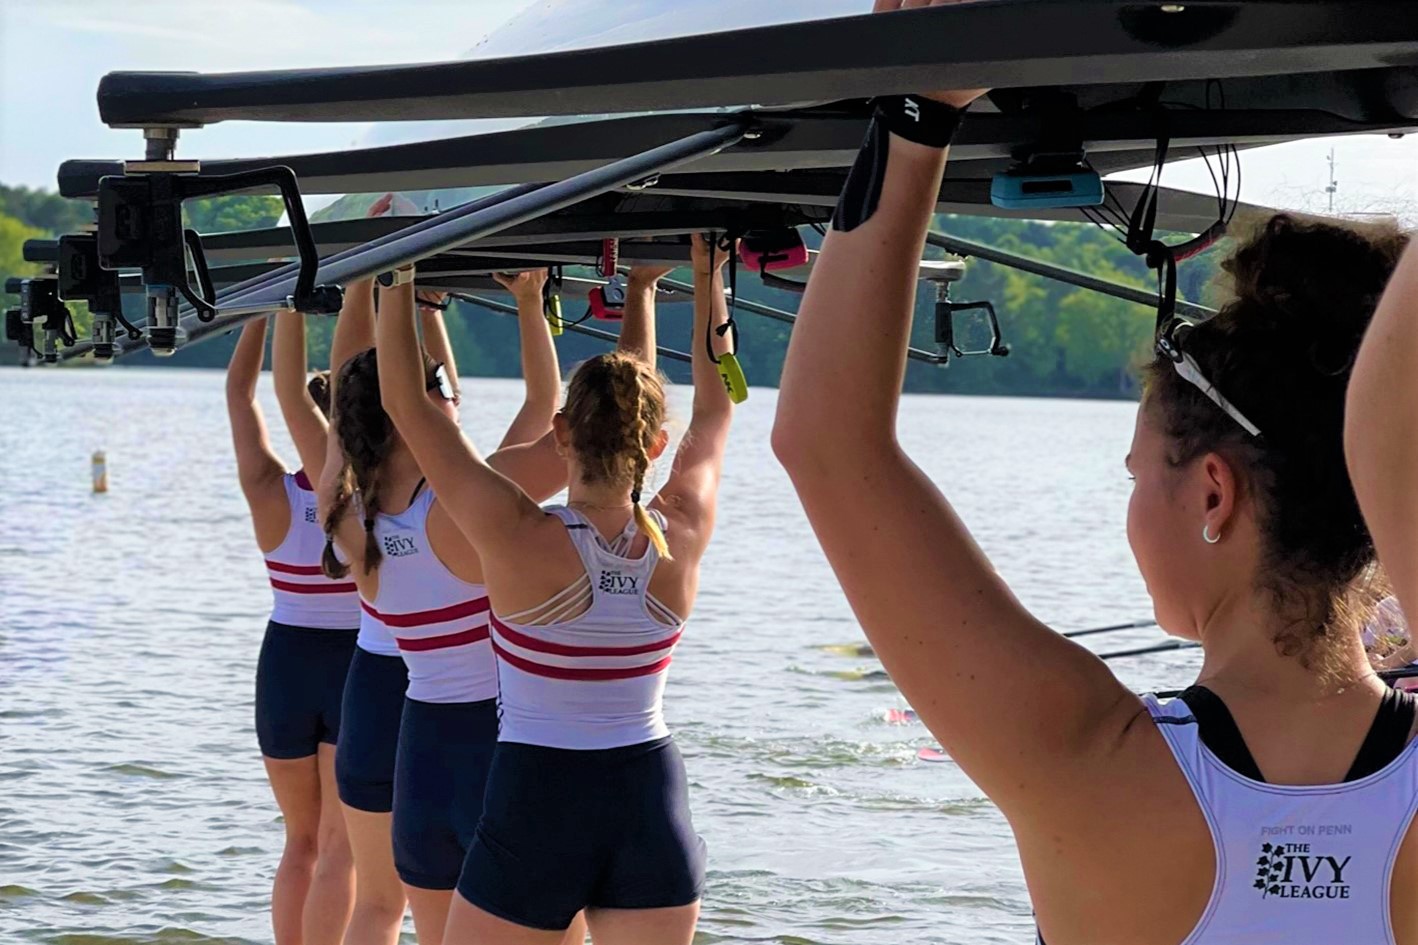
(366, 435)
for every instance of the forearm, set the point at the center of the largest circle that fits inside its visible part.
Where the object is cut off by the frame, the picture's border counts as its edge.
(307, 425)
(1381, 431)
(245, 366)
(401, 373)
(847, 356)
(354, 330)
(289, 363)
(637, 329)
(541, 374)
(256, 464)
(436, 343)
(711, 311)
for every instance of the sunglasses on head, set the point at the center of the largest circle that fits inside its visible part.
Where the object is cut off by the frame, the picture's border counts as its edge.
(438, 381)
(1169, 345)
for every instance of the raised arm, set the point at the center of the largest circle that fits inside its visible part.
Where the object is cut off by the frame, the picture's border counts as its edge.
(947, 629)
(308, 427)
(354, 332)
(1381, 431)
(689, 494)
(258, 468)
(488, 508)
(541, 372)
(434, 329)
(637, 329)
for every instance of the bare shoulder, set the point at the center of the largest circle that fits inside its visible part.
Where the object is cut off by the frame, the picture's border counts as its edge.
(1096, 823)
(688, 518)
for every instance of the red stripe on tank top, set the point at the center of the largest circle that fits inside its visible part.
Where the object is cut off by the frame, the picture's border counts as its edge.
(422, 618)
(566, 649)
(313, 588)
(462, 637)
(591, 675)
(308, 569)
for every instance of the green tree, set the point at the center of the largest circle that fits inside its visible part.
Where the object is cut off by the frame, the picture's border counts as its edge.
(45, 211)
(232, 213)
(13, 234)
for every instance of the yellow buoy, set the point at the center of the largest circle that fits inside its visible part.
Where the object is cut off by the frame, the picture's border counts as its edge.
(100, 471)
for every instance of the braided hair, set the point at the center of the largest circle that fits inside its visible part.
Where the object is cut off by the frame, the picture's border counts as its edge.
(615, 407)
(366, 436)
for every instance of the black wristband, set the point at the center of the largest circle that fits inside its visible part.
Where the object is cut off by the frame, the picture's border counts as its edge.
(918, 119)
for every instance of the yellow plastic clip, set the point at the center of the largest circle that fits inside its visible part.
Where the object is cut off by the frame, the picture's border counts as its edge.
(731, 373)
(553, 313)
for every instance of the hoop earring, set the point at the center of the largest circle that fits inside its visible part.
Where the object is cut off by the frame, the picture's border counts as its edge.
(1206, 535)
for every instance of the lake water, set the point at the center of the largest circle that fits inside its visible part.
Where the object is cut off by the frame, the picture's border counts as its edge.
(133, 808)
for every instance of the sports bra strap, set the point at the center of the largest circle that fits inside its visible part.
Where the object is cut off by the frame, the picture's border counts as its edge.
(1388, 736)
(1386, 739)
(1219, 732)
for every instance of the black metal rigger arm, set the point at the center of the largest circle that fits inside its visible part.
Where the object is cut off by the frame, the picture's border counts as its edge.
(502, 308)
(767, 311)
(490, 215)
(1062, 274)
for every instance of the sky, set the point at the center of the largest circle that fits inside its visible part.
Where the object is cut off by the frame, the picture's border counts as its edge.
(53, 53)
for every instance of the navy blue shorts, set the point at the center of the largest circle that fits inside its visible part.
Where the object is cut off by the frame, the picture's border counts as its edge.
(445, 750)
(300, 682)
(369, 735)
(567, 830)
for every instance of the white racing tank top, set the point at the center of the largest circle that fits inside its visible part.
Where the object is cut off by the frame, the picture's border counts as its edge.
(597, 680)
(304, 596)
(1304, 865)
(374, 636)
(438, 622)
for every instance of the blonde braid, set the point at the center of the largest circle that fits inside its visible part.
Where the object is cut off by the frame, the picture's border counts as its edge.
(615, 405)
(640, 464)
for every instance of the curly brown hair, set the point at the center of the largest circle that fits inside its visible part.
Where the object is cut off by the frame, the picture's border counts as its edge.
(615, 408)
(319, 388)
(1301, 293)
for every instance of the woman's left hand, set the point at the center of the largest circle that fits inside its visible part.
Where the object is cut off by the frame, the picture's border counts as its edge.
(648, 275)
(960, 98)
(700, 254)
(431, 300)
(522, 285)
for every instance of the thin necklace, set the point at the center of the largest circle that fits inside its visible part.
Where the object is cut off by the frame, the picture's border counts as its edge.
(600, 508)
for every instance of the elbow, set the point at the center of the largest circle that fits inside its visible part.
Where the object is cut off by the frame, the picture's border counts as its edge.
(817, 447)
(395, 404)
(240, 392)
(396, 408)
(543, 410)
(798, 441)
(792, 446)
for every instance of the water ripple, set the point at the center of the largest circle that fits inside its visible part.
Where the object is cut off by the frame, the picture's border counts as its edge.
(135, 810)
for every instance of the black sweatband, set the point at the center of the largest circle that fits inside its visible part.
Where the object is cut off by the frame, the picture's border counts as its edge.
(918, 119)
